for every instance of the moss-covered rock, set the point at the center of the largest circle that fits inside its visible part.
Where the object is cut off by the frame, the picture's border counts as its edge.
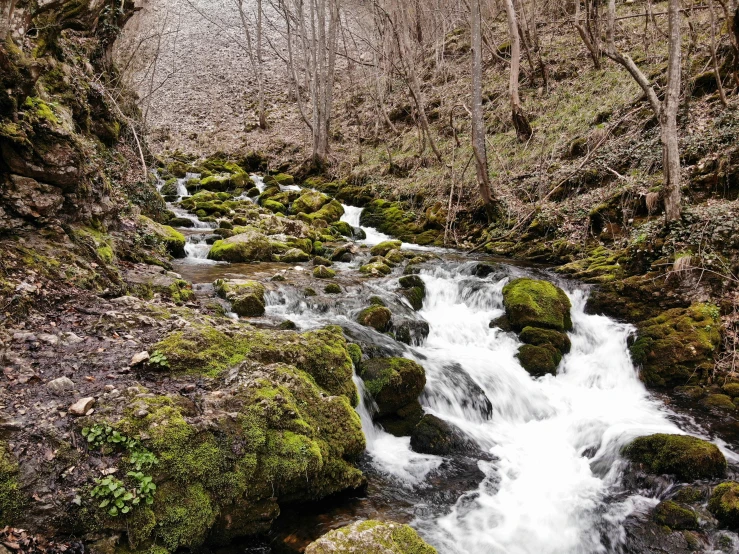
(530, 302)
(332, 288)
(246, 297)
(323, 272)
(675, 516)
(414, 290)
(11, 498)
(244, 247)
(375, 269)
(274, 206)
(541, 337)
(677, 347)
(320, 260)
(377, 317)
(731, 389)
(724, 504)
(686, 457)
(273, 436)
(719, 402)
(294, 255)
(390, 218)
(343, 228)
(355, 353)
(539, 360)
(310, 202)
(371, 537)
(330, 213)
(385, 247)
(207, 350)
(392, 382)
(173, 241)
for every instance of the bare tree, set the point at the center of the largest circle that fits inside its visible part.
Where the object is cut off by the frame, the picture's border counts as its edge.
(254, 52)
(520, 122)
(665, 111)
(593, 50)
(478, 121)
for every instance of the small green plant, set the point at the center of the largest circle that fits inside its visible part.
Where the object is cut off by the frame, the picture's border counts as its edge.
(142, 459)
(159, 359)
(114, 495)
(145, 487)
(100, 434)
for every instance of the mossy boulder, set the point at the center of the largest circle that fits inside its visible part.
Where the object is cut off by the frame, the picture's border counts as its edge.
(243, 247)
(718, 402)
(355, 353)
(377, 317)
(731, 389)
(274, 206)
(273, 436)
(675, 516)
(392, 219)
(371, 537)
(207, 350)
(320, 260)
(539, 360)
(392, 382)
(413, 289)
(283, 179)
(436, 436)
(295, 255)
(385, 247)
(332, 288)
(330, 213)
(323, 272)
(724, 504)
(172, 240)
(535, 303)
(246, 297)
(688, 458)
(343, 228)
(375, 269)
(678, 346)
(310, 202)
(540, 337)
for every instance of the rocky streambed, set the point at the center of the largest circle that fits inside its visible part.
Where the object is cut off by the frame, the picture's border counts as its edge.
(300, 371)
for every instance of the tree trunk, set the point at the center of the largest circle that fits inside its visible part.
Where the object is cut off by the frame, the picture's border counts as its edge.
(478, 122)
(592, 50)
(260, 70)
(520, 122)
(668, 117)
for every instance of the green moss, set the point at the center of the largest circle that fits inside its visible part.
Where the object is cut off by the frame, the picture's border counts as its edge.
(677, 347)
(243, 247)
(390, 218)
(330, 213)
(375, 268)
(273, 206)
(246, 296)
(377, 317)
(310, 202)
(686, 457)
(385, 247)
(11, 498)
(539, 360)
(355, 353)
(332, 288)
(541, 337)
(393, 382)
(674, 516)
(719, 402)
(323, 272)
(172, 240)
(343, 228)
(529, 302)
(371, 537)
(184, 515)
(731, 389)
(724, 504)
(40, 110)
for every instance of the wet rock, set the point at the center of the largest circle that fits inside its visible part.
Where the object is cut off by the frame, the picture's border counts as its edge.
(60, 386)
(411, 331)
(294, 255)
(484, 269)
(246, 296)
(385, 247)
(332, 288)
(322, 272)
(688, 458)
(82, 406)
(724, 504)
(541, 337)
(371, 537)
(320, 260)
(139, 358)
(392, 382)
(402, 422)
(172, 240)
(436, 436)
(677, 347)
(287, 325)
(343, 228)
(375, 269)
(675, 516)
(529, 302)
(377, 317)
(502, 323)
(244, 247)
(395, 257)
(414, 290)
(649, 537)
(539, 360)
(718, 403)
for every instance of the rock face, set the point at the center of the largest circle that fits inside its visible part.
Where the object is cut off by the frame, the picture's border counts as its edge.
(688, 458)
(677, 347)
(540, 312)
(371, 537)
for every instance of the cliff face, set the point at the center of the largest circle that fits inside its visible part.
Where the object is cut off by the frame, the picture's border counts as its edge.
(60, 121)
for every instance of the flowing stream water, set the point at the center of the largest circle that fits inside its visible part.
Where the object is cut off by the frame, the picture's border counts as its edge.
(550, 481)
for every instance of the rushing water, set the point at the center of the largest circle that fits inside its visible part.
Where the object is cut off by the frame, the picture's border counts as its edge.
(550, 480)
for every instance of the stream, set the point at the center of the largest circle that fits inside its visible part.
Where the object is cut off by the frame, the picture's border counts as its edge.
(548, 479)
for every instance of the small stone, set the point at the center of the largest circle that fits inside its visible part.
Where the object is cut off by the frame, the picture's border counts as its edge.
(82, 406)
(70, 338)
(142, 414)
(189, 388)
(60, 386)
(139, 358)
(108, 387)
(48, 338)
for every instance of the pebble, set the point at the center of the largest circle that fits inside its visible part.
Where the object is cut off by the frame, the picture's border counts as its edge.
(108, 387)
(139, 358)
(60, 386)
(82, 406)
(142, 413)
(189, 388)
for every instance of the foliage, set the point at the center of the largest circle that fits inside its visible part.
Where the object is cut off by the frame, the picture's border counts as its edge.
(159, 359)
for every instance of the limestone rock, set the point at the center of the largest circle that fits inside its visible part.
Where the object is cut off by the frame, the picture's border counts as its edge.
(82, 406)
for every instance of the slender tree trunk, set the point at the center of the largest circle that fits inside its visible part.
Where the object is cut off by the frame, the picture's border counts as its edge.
(520, 122)
(260, 70)
(714, 59)
(478, 121)
(594, 53)
(668, 117)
